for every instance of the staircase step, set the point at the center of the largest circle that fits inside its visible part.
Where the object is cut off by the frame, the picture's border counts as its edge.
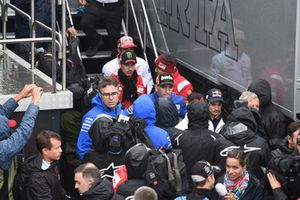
(99, 54)
(102, 32)
(9, 35)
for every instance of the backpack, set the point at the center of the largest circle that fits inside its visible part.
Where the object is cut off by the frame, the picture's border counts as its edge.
(166, 173)
(20, 184)
(75, 70)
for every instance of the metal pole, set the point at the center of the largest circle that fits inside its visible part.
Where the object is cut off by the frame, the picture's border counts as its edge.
(160, 27)
(63, 45)
(149, 28)
(53, 23)
(4, 20)
(32, 34)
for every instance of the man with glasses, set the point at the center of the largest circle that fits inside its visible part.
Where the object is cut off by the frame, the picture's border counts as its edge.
(131, 84)
(105, 102)
(164, 88)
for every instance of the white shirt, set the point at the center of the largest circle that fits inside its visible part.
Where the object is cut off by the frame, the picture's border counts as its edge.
(141, 67)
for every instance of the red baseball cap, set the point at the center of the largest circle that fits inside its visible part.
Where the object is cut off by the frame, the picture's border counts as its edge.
(166, 63)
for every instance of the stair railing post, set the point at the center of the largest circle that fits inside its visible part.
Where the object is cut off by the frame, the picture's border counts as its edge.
(53, 26)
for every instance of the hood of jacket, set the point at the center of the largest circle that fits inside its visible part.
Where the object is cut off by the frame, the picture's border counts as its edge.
(136, 161)
(262, 89)
(101, 189)
(240, 126)
(4, 128)
(144, 108)
(198, 115)
(243, 115)
(166, 113)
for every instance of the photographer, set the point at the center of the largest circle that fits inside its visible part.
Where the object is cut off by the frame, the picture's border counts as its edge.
(284, 175)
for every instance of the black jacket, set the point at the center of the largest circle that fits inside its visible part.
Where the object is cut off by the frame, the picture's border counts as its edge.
(286, 169)
(254, 191)
(136, 162)
(283, 149)
(198, 143)
(274, 120)
(240, 130)
(102, 189)
(44, 184)
(167, 118)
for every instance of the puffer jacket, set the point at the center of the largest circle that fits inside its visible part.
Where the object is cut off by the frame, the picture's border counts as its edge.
(144, 108)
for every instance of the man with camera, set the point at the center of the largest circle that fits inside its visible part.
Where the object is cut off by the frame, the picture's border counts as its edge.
(283, 174)
(105, 102)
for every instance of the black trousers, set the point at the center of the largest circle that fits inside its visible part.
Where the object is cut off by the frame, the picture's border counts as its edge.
(110, 15)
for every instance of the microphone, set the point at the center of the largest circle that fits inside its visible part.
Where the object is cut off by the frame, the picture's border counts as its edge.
(221, 189)
(12, 123)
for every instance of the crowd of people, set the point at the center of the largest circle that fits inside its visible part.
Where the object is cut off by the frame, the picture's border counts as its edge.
(249, 153)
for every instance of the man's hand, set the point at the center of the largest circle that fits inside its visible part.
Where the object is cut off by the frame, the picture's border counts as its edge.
(273, 181)
(229, 197)
(82, 2)
(72, 31)
(25, 92)
(36, 95)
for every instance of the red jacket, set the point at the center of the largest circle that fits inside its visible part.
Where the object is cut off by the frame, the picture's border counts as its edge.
(182, 86)
(140, 86)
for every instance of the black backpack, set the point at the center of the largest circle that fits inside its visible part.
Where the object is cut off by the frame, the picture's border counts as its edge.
(20, 184)
(166, 173)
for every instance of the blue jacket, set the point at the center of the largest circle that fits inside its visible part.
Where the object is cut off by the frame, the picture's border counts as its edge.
(11, 145)
(144, 108)
(177, 100)
(84, 142)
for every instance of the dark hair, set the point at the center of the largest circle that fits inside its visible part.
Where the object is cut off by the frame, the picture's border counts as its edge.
(43, 139)
(240, 155)
(106, 81)
(88, 171)
(294, 126)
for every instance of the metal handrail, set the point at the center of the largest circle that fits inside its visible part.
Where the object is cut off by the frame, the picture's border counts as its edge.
(149, 28)
(138, 28)
(58, 40)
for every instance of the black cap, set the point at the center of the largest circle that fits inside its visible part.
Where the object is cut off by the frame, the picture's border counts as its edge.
(214, 95)
(128, 57)
(195, 96)
(202, 169)
(165, 79)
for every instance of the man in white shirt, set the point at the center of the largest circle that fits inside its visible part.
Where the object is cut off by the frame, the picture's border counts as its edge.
(142, 67)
